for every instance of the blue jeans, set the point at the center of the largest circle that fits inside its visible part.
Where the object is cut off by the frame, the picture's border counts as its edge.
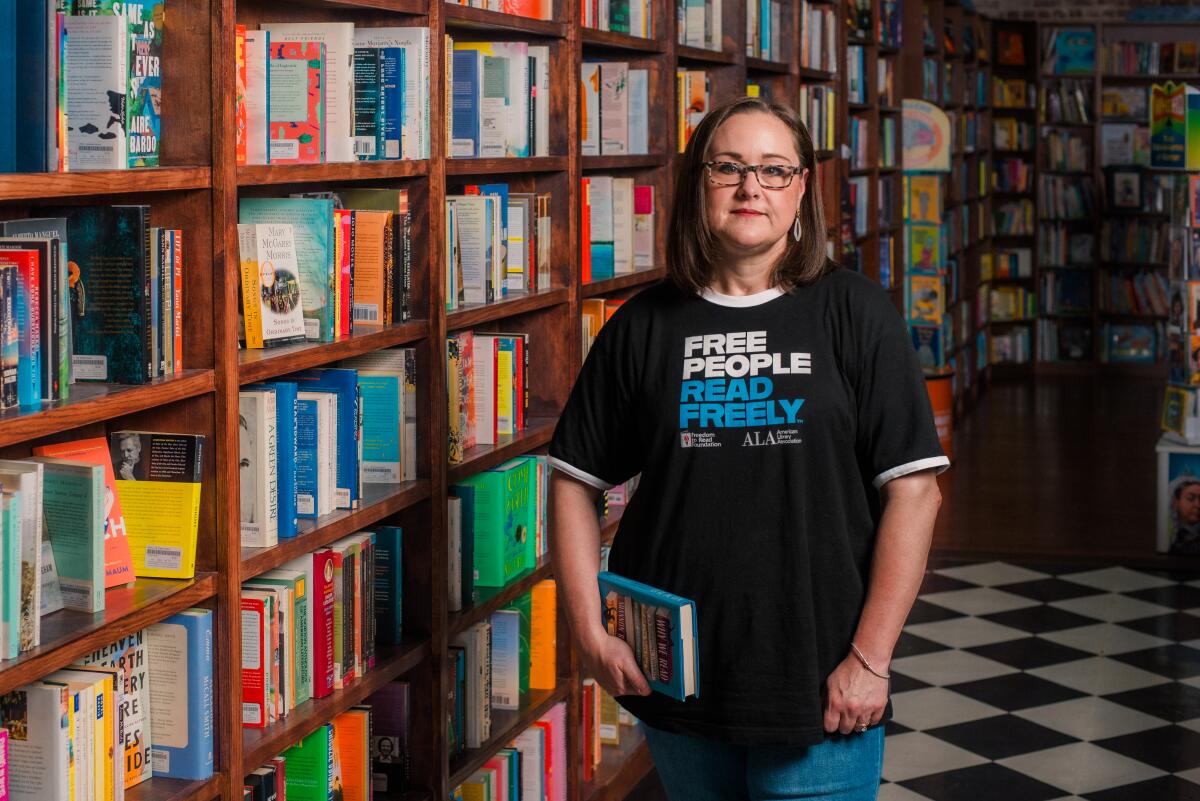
(838, 769)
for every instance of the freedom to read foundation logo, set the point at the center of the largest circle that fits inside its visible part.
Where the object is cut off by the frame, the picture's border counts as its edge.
(698, 439)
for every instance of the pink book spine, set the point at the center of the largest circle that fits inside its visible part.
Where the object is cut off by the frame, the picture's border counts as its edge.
(3, 764)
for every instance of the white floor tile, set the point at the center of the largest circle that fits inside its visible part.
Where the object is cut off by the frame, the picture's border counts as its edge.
(979, 600)
(991, 574)
(1193, 724)
(1195, 611)
(1116, 579)
(965, 632)
(1192, 644)
(1091, 718)
(1081, 768)
(949, 667)
(913, 754)
(1194, 681)
(1192, 775)
(931, 707)
(1111, 607)
(894, 792)
(1098, 675)
(1104, 638)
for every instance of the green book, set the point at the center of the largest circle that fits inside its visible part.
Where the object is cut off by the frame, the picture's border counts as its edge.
(73, 512)
(310, 767)
(502, 520)
(10, 574)
(524, 607)
(294, 580)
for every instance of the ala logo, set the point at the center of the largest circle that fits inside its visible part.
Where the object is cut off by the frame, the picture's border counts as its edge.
(779, 436)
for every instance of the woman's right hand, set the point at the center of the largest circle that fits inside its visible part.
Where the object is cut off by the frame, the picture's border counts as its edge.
(610, 661)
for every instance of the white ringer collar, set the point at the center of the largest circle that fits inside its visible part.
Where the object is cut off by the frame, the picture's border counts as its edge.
(740, 301)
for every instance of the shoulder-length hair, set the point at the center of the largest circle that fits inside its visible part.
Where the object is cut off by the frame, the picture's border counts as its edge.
(692, 250)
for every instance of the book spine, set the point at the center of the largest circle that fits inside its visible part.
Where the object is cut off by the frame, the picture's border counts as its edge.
(9, 348)
(321, 606)
(177, 298)
(255, 651)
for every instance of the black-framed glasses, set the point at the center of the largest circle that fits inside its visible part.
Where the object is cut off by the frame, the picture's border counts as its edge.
(770, 176)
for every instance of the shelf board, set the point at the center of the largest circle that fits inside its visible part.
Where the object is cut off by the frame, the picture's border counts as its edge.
(259, 745)
(505, 166)
(261, 364)
(263, 174)
(378, 502)
(38, 185)
(622, 767)
(1065, 124)
(628, 162)
(1165, 76)
(811, 74)
(594, 39)
(1131, 315)
(466, 17)
(488, 599)
(704, 55)
(68, 636)
(636, 278)
(160, 788)
(482, 457)
(516, 303)
(766, 65)
(94, 403)
(506, 724)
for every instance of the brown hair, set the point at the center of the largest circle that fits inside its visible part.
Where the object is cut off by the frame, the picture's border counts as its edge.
(692, 249)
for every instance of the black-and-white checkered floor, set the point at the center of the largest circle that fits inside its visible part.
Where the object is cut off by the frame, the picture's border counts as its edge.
(1047, 683)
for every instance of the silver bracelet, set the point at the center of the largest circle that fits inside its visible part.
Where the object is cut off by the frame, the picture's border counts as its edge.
(867, 664)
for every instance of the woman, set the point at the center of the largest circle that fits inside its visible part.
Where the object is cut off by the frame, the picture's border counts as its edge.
(773, 405)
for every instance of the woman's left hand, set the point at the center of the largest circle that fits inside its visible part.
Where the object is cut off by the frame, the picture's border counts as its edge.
(853, 696)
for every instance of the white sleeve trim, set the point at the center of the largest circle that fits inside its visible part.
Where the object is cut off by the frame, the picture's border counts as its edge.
(575, 472)
(936, 463)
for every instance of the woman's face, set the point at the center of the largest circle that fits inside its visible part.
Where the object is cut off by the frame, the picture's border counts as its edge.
(748, 219)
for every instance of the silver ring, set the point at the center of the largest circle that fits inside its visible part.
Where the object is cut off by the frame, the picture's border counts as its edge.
(862, 728)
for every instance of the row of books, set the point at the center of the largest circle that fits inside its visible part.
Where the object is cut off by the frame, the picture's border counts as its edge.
(360, 752)
(86, 82)
(1011, 93)
(1058, 246)
(532, 766)
(496, 662)
(1067, 151)
(1013, 346)
(310, 441)
(603, 720)
(618, 227)
(817, 107)
(633, 17)
(1149, 58)
(1014, 218)
(1012, 175)
(1134, 241)
(1066, 291)
(595, 312)
(1012, 134)
(534, 9)
(856, 204)
(315, 624)
(698, 24)
(692, 101)
(818, 36)
(764, 30)
(498, 527)
(885, 84)
(1137, 293)
(497, 243)
(856, 77)
(1012, 303)
(1065, 197)
(136, 708)
(87, 293)
(487, 376)
(498, 99)
(615, 107)
(1010, 263)
(858, 130)
(1066, 101)
(353, 256)
(314, 92)
(1064, 340)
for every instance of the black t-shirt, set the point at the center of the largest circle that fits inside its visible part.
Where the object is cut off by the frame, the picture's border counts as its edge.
(762, 427)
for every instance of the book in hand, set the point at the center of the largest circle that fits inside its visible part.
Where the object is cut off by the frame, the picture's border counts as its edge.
(661, 629)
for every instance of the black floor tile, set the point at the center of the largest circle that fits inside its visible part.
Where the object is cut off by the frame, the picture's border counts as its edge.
(1050, 589)
(935, 582)
(1172, 701)
(1170, 748)
(925, 612)
(1175, 661)
(1029, 653)
(1176, 596)
(1016, 691)
(912, 645)
(1164, 788)
(892, 728)
(901, 683)
(1001, 736)
(1039, 619)
(988, 782)
(1179, 627)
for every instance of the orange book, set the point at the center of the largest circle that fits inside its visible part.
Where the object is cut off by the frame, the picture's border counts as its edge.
(239, 49)
(118, 565)
(352, 750)
(371, 229)
(543, 635)
(585, 231)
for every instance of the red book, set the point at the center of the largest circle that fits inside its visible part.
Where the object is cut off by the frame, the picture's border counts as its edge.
(585, 232)
(344, 227)
(177, 265)
(548, 753)
(322, 606)
(29, 329)
(589, 702)
(255, 655)
(118, 566)
(280, 765)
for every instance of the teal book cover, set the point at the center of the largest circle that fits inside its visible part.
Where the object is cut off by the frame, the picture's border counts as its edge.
(10, 585)
(74, 516)
(382, 427)
(660, 627)
(389, 585)
(312, 223)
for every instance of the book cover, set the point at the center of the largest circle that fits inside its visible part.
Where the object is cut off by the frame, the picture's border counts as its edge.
(344, 384)
(273, 310)
(73, 513)
(352, 739)
(143, 104)
(296, 102)
(256, 649)
(504, 97)
(181, 695)
(38, 725)
(924, 252)
(925, 298)
(1192, 134)
(1168, 132)
(310, 767)
(96, 82)
(10, 575)
(335, 90)
(29, 307)
(389, 738)
(322, 605)
(1074, 51)
(372, 230)
(368, 106)
(287, 454)
(668, 653)
(258, 478)
(614, 108)
(506, 654)
(316, 424)
(543, 636)
(158, 481)
(502, 521)
(26, 479)
(129, 656)
(412, 76)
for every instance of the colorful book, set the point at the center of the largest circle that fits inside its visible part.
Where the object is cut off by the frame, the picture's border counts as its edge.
(499, 515)
(668, 653)
(181, 695)
(56, 299)
(273, 312)
(310, 770)
(258, 483)
(334, 94)
(129, 655)
(38, 721)
(296, 102)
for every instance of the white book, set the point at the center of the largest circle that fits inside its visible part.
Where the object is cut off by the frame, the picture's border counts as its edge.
(517, 252)
(531, 745)
(639, 112)
(643, 233)
(589, 92)
(622, 225)
(257, 129)
(454, 553)
(601, 204)
(614, 108)
(39, 765)
(259, 483)
(326, 448)
(338, 38)
(472, 217)
(49, 586)
(637, 18)
(96, 80)
(541, 89)
(715, 29)
(484, 378)
(696, 12)
(415, 41)
(26, 477)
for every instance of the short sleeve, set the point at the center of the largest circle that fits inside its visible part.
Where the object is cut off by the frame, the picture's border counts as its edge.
(595, 440)
(896, 435)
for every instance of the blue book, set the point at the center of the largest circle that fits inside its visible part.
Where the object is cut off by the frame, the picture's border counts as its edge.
(36, 52)
(391, 99)
(344, 384)
(9, 109)
(382, 427)
(660, 628)
(602, 260)
(308, 473)
(389, 585)
(506, 659)
(181, 670)
(501, 191)
(459, 656)
(464, 105)
(285, 437)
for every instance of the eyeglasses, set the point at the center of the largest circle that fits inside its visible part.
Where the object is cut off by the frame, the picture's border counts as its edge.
(770, 176)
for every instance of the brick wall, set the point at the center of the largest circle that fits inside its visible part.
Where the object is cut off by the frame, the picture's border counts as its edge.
(1106, 10)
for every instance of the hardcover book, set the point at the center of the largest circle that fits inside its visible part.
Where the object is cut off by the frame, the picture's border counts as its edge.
(181, 695)
(73, 511)
(296, 102)
(37, 719)
(668, 653)
(258, 483)
(129, 655)
(96, 81)
(498, 514)
(270, 279)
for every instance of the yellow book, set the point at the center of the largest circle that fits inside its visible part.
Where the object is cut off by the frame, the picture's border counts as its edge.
(474, 790)
(87, 767)
(251, 311)
(543, 636)
(610, 730)
(107, 683)
(504, 392)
